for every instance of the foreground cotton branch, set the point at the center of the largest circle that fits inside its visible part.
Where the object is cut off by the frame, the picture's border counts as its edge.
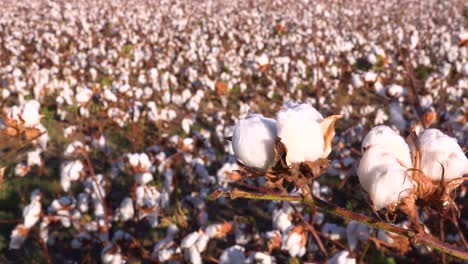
(393, 174)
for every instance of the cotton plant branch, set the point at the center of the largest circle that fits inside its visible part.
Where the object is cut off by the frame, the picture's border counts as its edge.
(331, 209)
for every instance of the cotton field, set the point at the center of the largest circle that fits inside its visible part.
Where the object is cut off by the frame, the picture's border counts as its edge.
(270, 131)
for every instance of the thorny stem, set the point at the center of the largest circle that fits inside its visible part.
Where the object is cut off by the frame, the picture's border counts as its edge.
(329, 208)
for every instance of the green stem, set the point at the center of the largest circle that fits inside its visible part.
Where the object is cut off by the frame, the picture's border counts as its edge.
(329, 208)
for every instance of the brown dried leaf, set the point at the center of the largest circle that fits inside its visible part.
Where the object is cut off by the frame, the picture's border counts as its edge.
(10, 131)
(328, 131)
(221, 87)
(216, 194)
(32, 133)
(407, 205)
(233, 175)
(225, 228)
(274, 243)
(429, 117)
(317, 167)
(281, 152)
(424, 187)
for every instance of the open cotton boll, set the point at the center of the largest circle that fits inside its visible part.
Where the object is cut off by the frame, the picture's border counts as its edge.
(386, 181)
(32, 212)
(379, 167)
(299, 129)
(437, 150)
(258, 257)
(190, 239)
(384, 136)
(30, 113)
(253, 141)
(232, 255)
(356, 231)
(18, 236)
(342, 257)
(126, 209)
(295, 241)
(71, 171)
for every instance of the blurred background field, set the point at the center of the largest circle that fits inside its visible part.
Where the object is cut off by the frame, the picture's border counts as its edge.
(171, 79)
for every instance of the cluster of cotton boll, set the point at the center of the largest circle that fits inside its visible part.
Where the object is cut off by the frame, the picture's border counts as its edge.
(129, 104)
(300, 127)
(383, 169)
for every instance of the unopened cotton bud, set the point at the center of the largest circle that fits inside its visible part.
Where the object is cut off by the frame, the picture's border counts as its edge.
(299, 129)
(253, 141)
(438, 150)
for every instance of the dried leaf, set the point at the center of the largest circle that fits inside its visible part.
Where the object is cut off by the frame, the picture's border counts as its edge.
(274, 243)
(233, 176)
(221, 87)
(281, 152)
(328, 131)
(429, 118)
(317, 167)
(424, 187)
(216, 194)
(32, 133)
(224, 230)
(407, 205)
(10, 131)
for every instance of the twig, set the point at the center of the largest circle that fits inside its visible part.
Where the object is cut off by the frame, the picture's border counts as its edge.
(423, 238)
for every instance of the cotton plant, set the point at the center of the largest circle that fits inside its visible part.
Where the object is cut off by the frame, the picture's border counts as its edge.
(395, 175)
(158, 70)
(300, 135)
(23, 120)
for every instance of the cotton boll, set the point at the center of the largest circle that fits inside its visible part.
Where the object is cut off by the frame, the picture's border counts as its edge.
(281, 220)
(190, 239)
(356, 81)
(260, 258)
(437, 150)
(18, 236)
(71, 171)
(299, 129)
(21, 169)
(84, 95)
(356, 231)
(232, 255)
(294, 242)
(192, 255)
(396, 115)
(383, 177)
(389, 182)
(253, 140)
(202, 242)
(126, 209)
(32, 212)
(14, 114)
(342, 257)
(111, 255)
(30, 113)
(143, 178)
(384, 136)
(34, 158)
(333, 231)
